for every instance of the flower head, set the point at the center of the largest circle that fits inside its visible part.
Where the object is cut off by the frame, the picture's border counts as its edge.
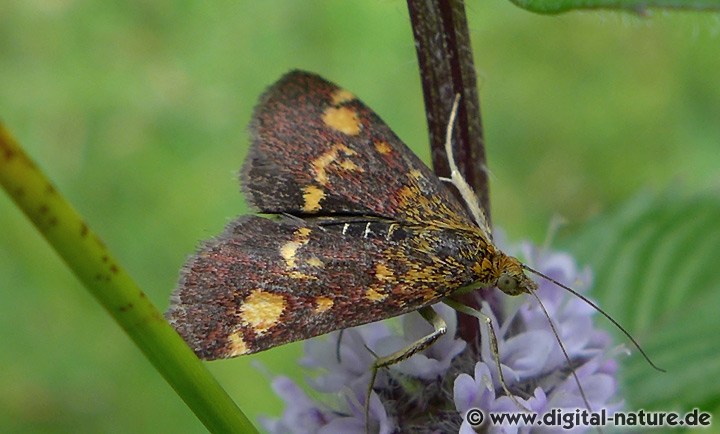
(433, 390)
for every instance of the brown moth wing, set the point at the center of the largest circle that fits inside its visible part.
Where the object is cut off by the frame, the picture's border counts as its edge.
(264, 283)
(318, 150)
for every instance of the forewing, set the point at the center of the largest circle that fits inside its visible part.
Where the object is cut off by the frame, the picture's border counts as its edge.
(318, 150)
(264, 283)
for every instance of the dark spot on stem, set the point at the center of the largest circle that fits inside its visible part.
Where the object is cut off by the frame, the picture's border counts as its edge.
(8, 153)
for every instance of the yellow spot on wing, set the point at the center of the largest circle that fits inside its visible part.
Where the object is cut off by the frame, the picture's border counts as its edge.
(315, 262)
(323, 304)
(343, 119)
(322, 164)
(341, 95)
(262, 310)
(299, 275)
(350, 166)
(289, 250)
(382, 272)
(237, 345)
(373, 294)
(383, 147)
(415, 174)
(312, 196)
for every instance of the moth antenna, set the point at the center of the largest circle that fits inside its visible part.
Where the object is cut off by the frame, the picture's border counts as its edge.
(466, 192)
(564, 351)
(597, 308)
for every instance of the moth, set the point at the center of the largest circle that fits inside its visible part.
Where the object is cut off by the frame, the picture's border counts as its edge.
(362, 231)
(357, 229)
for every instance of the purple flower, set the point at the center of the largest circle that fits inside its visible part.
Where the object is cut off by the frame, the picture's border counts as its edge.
(432, 391)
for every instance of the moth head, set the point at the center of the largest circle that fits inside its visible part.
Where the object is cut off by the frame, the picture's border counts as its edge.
(511, 279)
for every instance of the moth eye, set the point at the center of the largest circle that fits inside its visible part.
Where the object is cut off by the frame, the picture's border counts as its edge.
(507, 283)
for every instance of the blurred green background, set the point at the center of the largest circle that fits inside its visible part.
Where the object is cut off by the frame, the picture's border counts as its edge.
(138, 111)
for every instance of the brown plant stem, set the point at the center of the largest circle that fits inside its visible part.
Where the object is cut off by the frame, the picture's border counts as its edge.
(444, 53)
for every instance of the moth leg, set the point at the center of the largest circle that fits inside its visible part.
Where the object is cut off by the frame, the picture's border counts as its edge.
(440, 328)
(493, 343)
(337, 346)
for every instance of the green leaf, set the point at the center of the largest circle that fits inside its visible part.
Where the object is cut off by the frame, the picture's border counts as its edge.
(638, 6)
(656, 271)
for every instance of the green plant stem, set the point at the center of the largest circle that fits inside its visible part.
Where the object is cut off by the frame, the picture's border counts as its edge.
(87, 256)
